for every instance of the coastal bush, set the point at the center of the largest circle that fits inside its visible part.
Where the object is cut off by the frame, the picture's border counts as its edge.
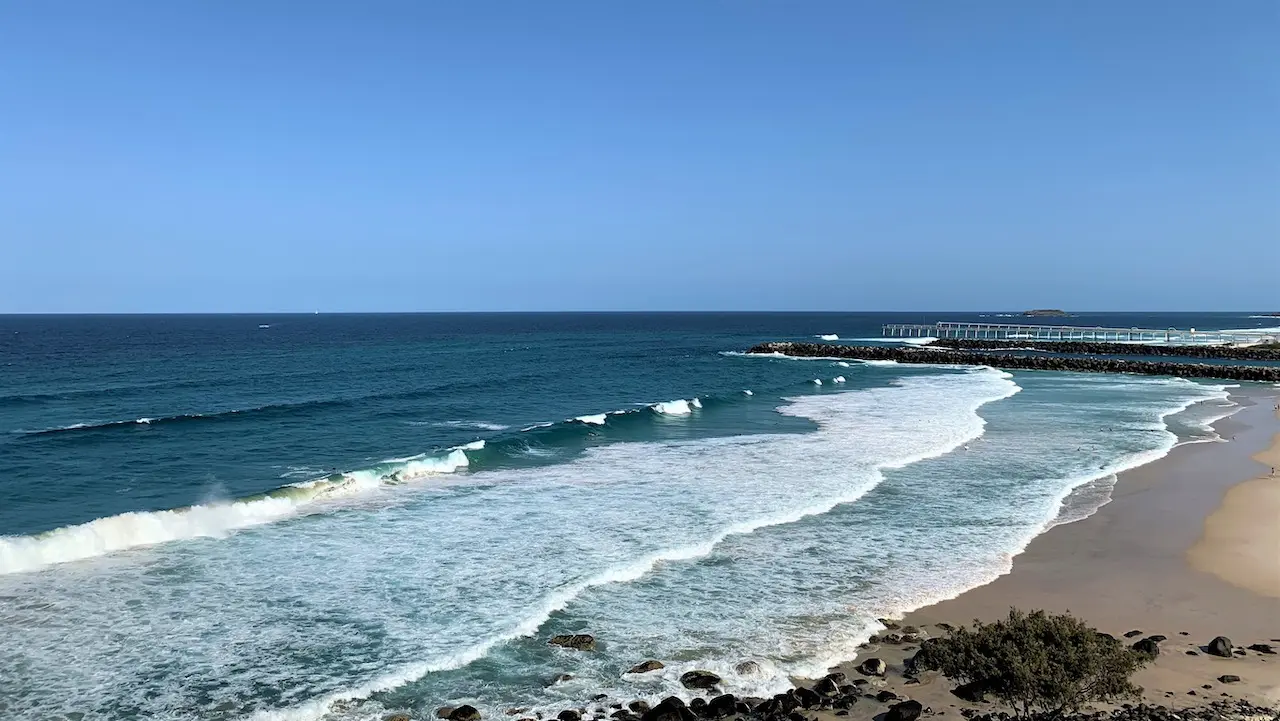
(1035, 662)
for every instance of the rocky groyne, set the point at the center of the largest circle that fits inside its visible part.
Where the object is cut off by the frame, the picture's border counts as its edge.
(1224, 352)
(945, 356)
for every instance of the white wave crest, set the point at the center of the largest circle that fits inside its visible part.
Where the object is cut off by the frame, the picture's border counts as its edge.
(678, 407)
(472, 425)
(816, 381)
(842, 364)
(595, 420)
(828, 336)
(137, 529)
(747, 393)
(838, 379)
(696, 403)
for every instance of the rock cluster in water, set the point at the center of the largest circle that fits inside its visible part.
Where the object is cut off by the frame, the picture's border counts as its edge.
(1022, 362)
(1226, 352)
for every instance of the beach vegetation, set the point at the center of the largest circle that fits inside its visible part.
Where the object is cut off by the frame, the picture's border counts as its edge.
(1036, 663)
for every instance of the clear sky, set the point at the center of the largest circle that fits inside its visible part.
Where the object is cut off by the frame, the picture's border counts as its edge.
(847, 155)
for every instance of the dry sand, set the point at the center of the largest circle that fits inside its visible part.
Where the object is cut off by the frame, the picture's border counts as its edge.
(1189, 548)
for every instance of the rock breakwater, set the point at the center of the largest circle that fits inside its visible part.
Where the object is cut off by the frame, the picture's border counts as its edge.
(1225, 352)
(1009, 361)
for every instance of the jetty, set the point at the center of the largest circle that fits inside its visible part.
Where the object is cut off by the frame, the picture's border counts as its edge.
(1020, 331)
(1039, 362)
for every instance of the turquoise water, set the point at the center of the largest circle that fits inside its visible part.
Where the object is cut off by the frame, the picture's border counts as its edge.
(339, 517)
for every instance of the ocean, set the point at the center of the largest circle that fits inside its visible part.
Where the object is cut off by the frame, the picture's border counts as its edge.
(345, 516)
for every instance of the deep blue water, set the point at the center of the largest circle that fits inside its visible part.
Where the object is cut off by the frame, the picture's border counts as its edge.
(309, 516)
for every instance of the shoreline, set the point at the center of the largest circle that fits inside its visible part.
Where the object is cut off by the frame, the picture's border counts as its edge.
(1181, 549)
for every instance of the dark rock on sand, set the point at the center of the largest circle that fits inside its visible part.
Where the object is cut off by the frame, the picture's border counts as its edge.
(873, 667)
(888, 624)
(839, 678)
(576, 641)
(723, 705)
(464, 713)
(1220, 646)
(698, 679)
(1263, 648)
(970, 692)
(569, 715)
(698, 705)
(807, 697)
(1241, 652)
(905, 711)
(639, 706)
(1158, 638)
(646, 667)
(669, 709)
(1193, 653)
(1133, 633)
(827, 687)
(1229, 678)
(886, 696)
(1147, 648)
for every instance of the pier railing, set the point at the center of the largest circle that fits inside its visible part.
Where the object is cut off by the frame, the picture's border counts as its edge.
(1016, 331)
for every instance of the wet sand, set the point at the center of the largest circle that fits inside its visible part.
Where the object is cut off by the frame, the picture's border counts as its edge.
(1189, 547)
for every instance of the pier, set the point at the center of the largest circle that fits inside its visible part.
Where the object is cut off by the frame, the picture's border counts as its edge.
(1016, 331)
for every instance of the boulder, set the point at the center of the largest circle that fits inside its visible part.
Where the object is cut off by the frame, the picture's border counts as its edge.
(911, 638)
(796, 716)
(747, 668)
(1158, 638)
(646, 667)
(561, 678)
(623, 714)
(886, 696)
(873, 667)
(970, 692)
(576, 641)
(465, 713)
(827, 687)
(889, 624)
(639, 706)
(846, 701)
(698, 705)
(891, 638)
(1263, 648)
(722, 705)
(398, 717)
(910, 629)
(444, 711)
(1220, 646)
(669, 709)
(807, 697)
(1229, 678)
(569, 715)
(905, 711)
(698, 679)
(1147, 648)
(1133, 633)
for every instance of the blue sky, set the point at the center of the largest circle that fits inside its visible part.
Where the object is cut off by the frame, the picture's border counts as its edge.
(414, 156)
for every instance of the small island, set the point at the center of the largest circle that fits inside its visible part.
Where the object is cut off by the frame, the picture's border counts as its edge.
(1046, 313)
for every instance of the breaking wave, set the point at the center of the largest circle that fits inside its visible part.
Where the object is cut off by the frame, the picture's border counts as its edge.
(215, 520)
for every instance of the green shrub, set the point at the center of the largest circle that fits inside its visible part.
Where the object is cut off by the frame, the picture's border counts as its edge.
(1035, 663)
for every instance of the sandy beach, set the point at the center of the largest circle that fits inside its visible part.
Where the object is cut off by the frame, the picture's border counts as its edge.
(1188, 548)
